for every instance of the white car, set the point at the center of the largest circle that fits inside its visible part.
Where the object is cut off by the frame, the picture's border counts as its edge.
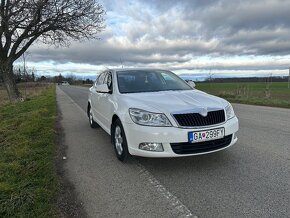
(154, 113)
(65, 83)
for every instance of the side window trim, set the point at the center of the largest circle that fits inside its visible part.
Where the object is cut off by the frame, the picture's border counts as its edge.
(108, 73)
(101, 76)
(111, 85)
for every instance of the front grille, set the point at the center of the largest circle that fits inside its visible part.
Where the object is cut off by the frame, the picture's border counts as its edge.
(200, 147)
(195, 119)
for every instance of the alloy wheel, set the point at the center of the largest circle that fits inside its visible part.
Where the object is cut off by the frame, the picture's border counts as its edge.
(118, 140)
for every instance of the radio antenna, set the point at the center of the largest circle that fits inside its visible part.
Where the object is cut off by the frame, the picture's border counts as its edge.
(121, 62)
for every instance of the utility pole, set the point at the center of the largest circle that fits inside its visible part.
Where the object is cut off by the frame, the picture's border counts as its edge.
(269, 81)
(289, 79)
(25, 74)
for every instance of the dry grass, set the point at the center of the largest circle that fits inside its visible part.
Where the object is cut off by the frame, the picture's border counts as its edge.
(28, 90)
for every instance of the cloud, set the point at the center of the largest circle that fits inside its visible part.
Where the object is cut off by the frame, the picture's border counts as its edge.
(185, 35)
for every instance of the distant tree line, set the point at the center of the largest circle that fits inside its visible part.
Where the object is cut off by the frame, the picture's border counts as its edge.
(248, 79)
(28, 75)
(71, 79)
(22, 75)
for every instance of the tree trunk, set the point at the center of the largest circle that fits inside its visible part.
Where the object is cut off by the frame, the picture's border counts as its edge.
(6, 69)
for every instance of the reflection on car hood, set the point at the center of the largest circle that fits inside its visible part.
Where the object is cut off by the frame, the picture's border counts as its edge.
(188, 101)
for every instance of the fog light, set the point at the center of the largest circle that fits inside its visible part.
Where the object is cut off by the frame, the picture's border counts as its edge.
(151, 146)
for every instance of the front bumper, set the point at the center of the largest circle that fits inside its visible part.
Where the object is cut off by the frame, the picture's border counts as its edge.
(137, 134)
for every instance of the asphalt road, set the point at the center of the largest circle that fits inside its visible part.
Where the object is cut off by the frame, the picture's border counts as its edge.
(250, 179)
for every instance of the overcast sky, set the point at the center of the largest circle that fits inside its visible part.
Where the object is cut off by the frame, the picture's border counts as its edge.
(189, 36)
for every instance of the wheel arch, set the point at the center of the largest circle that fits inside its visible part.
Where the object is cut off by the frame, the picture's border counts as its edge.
(114, 118)
(88, 108)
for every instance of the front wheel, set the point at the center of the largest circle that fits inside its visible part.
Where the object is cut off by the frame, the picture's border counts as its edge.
(93, 124)
(119, 141)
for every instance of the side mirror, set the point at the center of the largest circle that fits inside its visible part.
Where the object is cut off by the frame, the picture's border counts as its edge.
(103, 88)
(191, 84)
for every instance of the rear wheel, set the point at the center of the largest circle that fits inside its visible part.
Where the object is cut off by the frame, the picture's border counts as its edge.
(93, 124)
(119, 141)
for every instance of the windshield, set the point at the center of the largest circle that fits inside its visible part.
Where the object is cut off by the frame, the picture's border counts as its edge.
(133, 81)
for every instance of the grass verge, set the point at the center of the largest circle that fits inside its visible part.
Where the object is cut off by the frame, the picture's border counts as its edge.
(274, 94)
(27, 150)
(28, 90)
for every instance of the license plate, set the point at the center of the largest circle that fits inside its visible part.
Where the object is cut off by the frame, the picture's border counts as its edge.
(206, 135)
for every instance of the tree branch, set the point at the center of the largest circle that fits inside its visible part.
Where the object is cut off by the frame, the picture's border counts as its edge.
(51, 21)
(25, 47)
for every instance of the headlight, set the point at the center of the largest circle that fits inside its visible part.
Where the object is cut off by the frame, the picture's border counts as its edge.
(230, 111)
(148, 118)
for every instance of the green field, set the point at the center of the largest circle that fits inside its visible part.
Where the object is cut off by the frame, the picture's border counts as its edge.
(274, 94)
(27, 150)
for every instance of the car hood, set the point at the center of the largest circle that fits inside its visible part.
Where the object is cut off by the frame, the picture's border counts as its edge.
(189, 101)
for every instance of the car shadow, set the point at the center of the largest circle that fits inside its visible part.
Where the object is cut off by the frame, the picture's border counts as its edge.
(216, 161)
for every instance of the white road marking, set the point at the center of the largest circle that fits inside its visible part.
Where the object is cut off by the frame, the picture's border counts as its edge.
(177, 205)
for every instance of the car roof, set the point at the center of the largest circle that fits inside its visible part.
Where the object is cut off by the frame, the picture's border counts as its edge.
(133, 69)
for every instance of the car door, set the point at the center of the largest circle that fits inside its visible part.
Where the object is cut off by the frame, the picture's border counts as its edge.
(106, 104)
(95, 98)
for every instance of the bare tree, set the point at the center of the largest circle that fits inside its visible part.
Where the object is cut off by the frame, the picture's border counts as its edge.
(56, 22)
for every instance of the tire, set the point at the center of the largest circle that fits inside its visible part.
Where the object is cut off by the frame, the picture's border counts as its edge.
(119, 141)
(93, 124)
